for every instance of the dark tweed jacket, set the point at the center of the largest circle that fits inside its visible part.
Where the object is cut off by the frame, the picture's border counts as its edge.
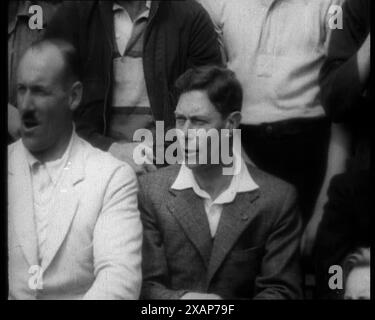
(254, 253)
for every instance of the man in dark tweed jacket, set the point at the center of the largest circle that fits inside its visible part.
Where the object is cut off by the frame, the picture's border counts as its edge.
(209, 234)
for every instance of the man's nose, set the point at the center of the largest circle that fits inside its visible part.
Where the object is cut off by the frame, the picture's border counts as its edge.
(186, 128)
(25, 101)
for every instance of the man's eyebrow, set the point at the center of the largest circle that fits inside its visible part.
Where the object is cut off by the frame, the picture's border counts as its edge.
(38, 87)
(199, 117)
(41, 86)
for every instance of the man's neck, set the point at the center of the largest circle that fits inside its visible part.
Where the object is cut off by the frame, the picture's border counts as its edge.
(210, 178)
(56, 151)
(134, 8)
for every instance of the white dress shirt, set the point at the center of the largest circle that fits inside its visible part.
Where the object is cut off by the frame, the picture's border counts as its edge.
(45, 178)
(241, 182)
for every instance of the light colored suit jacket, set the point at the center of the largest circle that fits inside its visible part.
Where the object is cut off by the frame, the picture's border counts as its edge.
(95, 233)
(255, 252)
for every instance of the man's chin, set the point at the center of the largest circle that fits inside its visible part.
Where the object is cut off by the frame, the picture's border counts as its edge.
(193, 163)
(33, 145)
(192, 166)
(191, 160)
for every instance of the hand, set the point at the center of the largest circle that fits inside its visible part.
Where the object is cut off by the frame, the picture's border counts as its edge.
(14, 122)
(200, 296)
(125, 152)
(309, 235)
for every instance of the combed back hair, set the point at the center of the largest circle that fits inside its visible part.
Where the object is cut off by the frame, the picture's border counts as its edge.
(69, 53)
(220, 84)
(358, 258)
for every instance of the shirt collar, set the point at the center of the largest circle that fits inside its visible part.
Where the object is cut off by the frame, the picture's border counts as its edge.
(241, 182)
(51, 166)
(144, 14)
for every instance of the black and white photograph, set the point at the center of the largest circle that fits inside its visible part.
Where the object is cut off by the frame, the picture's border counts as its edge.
(203, 150)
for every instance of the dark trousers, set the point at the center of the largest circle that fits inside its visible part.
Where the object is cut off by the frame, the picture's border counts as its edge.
(293, 150)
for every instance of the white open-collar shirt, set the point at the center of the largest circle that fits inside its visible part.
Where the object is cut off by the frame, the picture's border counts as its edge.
(241, 182)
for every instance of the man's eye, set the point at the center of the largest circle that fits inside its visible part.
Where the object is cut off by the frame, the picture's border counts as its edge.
(21, 89)
(199, 122)
(40, 92)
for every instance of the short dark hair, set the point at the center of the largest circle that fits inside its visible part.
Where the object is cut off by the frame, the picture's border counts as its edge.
(222, 87)
(69, 53)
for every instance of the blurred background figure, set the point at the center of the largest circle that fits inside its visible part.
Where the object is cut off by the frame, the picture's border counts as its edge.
(131, 53)
(357, 273)
(20, 36)
(346, 95)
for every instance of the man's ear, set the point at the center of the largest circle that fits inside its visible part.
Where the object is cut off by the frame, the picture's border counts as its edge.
(233, 120)
(76, 95)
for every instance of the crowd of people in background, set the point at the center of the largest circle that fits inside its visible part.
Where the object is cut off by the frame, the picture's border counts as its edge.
(292, 76)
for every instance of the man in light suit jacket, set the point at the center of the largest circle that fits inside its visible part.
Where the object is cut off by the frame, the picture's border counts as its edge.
(74, 229)
(210, 234)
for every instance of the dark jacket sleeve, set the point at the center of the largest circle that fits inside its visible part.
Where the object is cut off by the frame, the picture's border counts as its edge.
(154, 263)
(69, 23)
(280, 276)
(341, 90)
(204, 46)
(344, 226)
(333, 237)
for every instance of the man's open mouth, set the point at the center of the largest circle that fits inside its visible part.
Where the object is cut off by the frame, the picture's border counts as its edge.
(30, 123)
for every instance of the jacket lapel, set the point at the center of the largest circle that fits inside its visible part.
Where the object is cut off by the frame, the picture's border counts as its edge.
(235, 218)
(20, 204)
(66, 203)
(188, 210)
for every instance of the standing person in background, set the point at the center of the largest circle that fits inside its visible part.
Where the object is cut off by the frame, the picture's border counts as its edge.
(346, 94)
(20, 36)
(347, 97)
(132, 52)
(276, 48)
